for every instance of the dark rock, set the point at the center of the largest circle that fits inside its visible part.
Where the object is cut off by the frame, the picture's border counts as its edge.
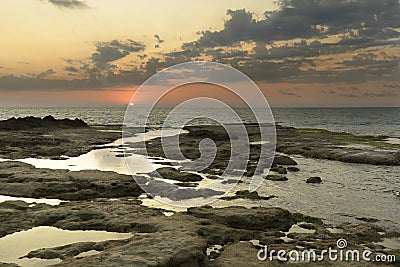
(28, 123)
(241, 218)
(247, 195)
(187, 184)
(293, 169)
(279, 169)
(314, 180)
(213, 255)
(308, 226)
(173, 174)
(283, 160)
(365, 219)
(274, 177)
(28, 181)
(53, 142)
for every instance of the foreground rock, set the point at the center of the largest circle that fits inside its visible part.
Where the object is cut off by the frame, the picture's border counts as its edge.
(181, 239)
(24, 180)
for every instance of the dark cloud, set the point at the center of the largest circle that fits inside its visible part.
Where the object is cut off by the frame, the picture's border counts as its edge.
(265, 49)
(71, 4)
(309, 18)
(380, 94)
(110, 51)
(394, 85)
(158, 39)
(44, 74)
(350, 95)
(71, 69)
(289, 93)
(23, 62)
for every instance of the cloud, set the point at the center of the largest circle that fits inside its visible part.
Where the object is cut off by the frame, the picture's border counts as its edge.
(394, 85)
(381, 94)
(71, 4)
(110, 51)
(289, 93)
(350, 95)
(305, 41)
(71, 69)
(45, 74)
(309, 18)
(158, 39)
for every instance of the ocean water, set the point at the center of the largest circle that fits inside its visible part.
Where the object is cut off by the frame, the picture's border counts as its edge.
(348, 191)
(359, 121)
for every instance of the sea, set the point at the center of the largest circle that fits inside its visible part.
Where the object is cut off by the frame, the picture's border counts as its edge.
(349, 191)
(359, 121)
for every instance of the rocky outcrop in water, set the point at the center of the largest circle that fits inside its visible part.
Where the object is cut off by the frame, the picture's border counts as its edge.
(24, 180)
(48, 122)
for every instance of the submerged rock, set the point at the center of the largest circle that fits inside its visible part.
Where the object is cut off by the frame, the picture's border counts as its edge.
(314, 180)
(247, 195)
(293, 169)
(279, 169)
(274, 177)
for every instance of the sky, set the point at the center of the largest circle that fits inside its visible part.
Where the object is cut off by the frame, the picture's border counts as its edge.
(301, 53)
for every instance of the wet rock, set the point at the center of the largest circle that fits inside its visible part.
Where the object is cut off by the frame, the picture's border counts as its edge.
(365, 219)
(246, 194)
(283, 160)
(314, 180)
(187, 184)
(2, 264)
(241, 218)
(279, 169)
(174, 174)
(293, 169)
(360, 233)
(29, 123)
(28, 181)
(238, 254)
(308, 226)
(16, 205)
(274, 177)
(53, 142)
(200, 132)
(323, 144)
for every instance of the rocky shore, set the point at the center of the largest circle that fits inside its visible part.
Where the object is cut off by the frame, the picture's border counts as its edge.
(200, 236)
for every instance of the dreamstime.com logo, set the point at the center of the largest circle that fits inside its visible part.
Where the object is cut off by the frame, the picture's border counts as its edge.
(144, 103)
(340, 253)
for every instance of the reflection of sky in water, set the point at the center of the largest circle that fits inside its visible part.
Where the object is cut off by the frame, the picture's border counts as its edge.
(101, 159)
(105, 159)
(21, 243)
(347, 191)
(48, 201)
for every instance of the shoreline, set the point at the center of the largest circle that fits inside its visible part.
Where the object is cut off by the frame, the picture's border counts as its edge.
(89, 205)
